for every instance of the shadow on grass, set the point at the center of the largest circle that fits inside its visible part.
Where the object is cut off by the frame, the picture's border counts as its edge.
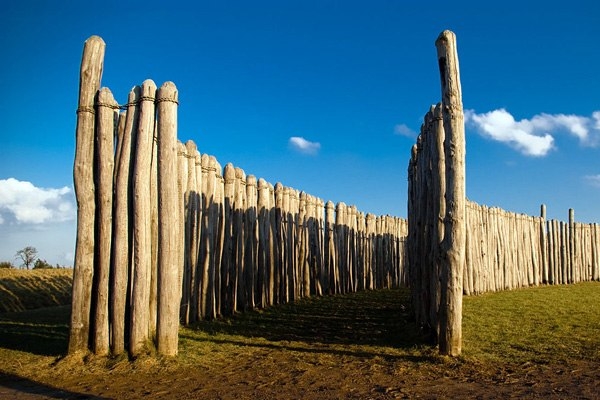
(377, 318)
(373, 318)
(43, 331)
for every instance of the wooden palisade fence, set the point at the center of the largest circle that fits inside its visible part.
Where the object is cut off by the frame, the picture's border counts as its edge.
(508, 250)
(436, 209)
(497, 250)
(165, 235)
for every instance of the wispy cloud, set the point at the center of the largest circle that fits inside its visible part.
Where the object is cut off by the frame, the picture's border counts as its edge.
(304, 146)
(23, 203)
(404, 130)
(534, 137)
(592, 180)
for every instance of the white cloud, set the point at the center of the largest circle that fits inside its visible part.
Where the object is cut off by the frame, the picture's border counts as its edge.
(596, 117)
(501, 126)
(593, 180)
(404, 130)
(304, 146)
(533, 137)
(23, 203)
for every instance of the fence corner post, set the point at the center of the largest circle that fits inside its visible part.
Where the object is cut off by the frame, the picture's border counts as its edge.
(453, 245)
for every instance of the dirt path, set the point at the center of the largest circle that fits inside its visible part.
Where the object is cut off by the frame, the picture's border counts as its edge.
(355, 347)
(279, 374)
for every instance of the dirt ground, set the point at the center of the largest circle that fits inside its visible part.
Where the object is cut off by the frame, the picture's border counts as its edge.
(276, 374)
(342, 348)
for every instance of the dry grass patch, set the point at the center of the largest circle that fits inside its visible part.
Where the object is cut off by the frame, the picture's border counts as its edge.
(29, 289)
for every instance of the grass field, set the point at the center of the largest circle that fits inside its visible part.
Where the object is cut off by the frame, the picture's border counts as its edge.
(537, 325)
(347, 346)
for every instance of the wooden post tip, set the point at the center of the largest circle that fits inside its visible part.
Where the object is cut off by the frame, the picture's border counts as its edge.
(190, 146)
(168, 89)
(229, 174)
(96, 39)
(446, 36)
(251, 180)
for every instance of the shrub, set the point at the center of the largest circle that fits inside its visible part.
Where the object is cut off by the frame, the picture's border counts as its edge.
(6, 264)
(41, 264)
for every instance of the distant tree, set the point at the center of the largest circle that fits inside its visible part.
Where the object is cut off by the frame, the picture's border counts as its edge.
(27, 255)
(6, 264)
(41, 264)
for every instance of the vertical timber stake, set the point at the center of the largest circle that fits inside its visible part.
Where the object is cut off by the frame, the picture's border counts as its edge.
(105, 134)
(83, 178)
(453, 245)
(169, 285)
(142, 244)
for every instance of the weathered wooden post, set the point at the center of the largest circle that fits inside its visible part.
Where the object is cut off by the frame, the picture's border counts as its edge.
(543, 244)
(141, 231)
(273, 250)
(281, 240)
(105, 134)
(304, 245)
(219, 279)
(573, 276)
(239, 267)
(122, 224)
(227, 254)
(453, 246)
(189, 300)
(181, 179)
(169, 285)
(330, 255)
(263, 242)
(251, 232)
(438, 205)
(197, 232)
(83, 178)
(286, 255)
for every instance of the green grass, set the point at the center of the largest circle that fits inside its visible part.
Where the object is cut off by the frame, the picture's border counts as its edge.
(536, 325)
(369, 324)
(539, 325)
(550, 324)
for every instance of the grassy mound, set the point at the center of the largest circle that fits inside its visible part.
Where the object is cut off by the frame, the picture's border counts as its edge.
(29, 289)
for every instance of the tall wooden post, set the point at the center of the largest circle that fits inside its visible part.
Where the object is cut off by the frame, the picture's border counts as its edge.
(122, 224)
(251, 231)
(142, 248)
(169, 285)
(238, 269)
(453, 246)
(543, 245)
(191, 201)
(572, 270)
(105, 135)
(83, 178)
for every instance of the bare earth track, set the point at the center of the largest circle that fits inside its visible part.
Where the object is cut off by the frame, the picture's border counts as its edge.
(359, 346)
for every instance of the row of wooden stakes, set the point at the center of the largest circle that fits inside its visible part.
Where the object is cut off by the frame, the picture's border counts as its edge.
(503, 250)
(166, 236)
(250, 244)
(507, 250)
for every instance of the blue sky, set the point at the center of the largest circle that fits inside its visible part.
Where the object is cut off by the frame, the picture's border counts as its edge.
(323, 96)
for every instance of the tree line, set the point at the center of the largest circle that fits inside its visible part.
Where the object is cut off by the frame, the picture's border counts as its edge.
(29, 259)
